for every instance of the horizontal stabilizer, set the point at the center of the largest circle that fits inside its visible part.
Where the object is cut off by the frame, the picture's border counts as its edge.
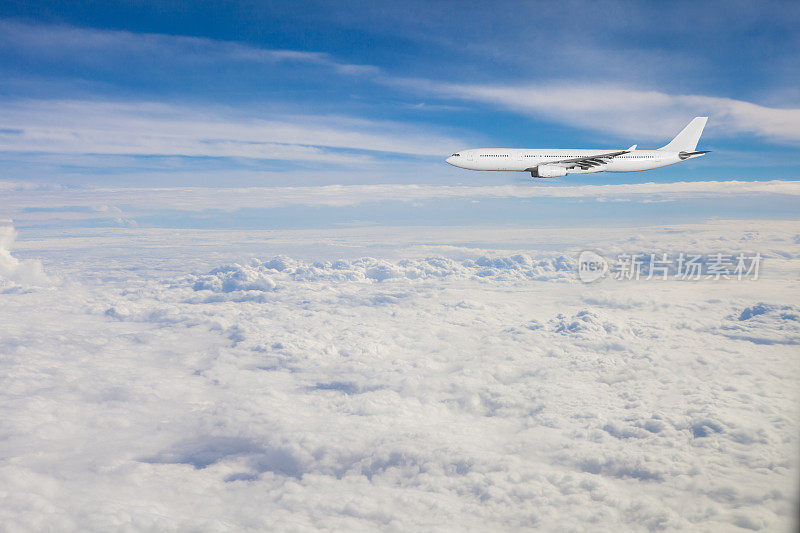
(687, 155)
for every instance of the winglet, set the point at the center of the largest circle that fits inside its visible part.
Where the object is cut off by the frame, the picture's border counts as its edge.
(632, 148)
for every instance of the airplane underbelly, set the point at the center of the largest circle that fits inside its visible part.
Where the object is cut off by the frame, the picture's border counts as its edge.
(620, 165)
(492, 165)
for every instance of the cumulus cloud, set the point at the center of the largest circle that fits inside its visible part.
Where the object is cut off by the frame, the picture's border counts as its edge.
(259, 275)
(403, 391)
(234, 277)
(765, 323)
(16, 273)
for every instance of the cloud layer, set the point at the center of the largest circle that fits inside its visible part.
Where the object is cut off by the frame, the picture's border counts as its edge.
(19, 196)
(440, 388)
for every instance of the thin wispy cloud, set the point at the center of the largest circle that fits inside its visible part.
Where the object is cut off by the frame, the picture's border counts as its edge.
(18, 198)
(146, 128)
(648, 114)
(94, 46)
(148, 94)
(603, 105)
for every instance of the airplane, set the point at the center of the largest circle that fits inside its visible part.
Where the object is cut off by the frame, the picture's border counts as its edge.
(552, 163)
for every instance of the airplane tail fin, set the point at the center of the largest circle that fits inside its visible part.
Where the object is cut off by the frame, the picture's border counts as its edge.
(686, 140)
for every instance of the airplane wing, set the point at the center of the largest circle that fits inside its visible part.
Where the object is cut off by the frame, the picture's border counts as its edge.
(588, 161)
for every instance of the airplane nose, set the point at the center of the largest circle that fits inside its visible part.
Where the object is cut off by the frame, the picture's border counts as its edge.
(450, 160)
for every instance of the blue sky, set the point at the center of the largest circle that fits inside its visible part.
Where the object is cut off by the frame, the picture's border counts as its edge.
(261, 93)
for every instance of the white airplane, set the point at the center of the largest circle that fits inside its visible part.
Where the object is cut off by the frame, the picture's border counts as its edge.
(552, 163)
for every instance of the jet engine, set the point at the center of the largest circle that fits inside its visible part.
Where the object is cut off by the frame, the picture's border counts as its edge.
(548, 171)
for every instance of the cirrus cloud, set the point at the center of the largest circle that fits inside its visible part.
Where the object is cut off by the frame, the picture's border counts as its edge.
(646, 113)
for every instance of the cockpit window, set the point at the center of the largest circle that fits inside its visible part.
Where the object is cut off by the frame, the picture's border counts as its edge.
(456, 155)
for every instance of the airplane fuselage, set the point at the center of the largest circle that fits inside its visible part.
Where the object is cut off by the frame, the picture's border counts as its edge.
(516, 159)
(555, 162)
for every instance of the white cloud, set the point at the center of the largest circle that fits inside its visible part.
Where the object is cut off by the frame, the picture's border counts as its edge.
(637, 113)
(103, 126)
(41, 205)
(258, 275)
(85, 127)
(17, 274)
(431, 387)
(234, 277)
(111, 47)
